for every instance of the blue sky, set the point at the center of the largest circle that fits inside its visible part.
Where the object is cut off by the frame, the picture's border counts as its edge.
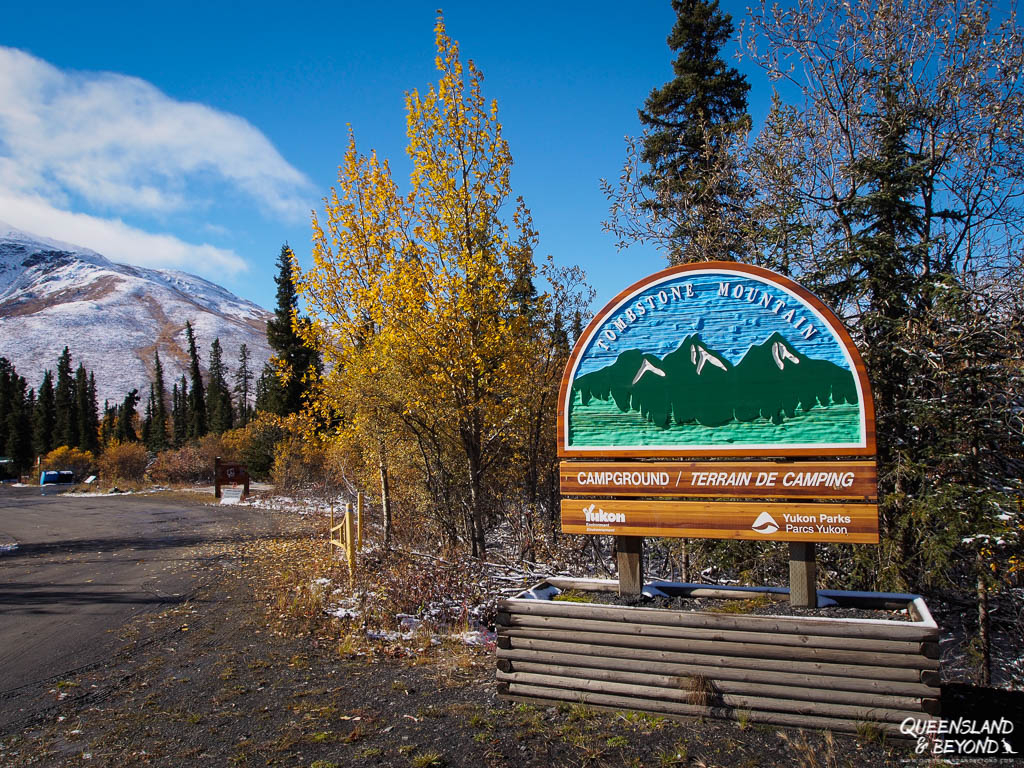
(729, 326)
(198, 136)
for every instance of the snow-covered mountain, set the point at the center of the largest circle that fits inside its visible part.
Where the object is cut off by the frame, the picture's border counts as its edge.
(113, 316)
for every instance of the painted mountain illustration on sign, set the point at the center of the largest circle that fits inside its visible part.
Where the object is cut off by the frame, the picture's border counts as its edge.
(697, 386)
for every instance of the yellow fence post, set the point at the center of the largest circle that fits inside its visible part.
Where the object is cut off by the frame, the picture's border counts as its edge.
(330, 533)
(350, 544)
(359, 521)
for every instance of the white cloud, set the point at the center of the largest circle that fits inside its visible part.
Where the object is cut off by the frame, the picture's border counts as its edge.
(120, 143)
(81, 151)
(115, 239)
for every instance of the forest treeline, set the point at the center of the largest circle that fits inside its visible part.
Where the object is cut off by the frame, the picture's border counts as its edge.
(173, 432)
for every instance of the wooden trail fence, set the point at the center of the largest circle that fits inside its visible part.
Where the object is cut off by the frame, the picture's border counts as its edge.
(347, 535)
(837, 674)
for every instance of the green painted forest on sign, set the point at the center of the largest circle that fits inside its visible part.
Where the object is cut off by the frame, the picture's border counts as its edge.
(695, 396)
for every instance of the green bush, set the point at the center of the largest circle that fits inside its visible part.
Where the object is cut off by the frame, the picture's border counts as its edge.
(254, 445)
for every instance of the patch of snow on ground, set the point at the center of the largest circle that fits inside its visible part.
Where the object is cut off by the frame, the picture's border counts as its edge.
(482, 638)
(301, 507)
(340, 612)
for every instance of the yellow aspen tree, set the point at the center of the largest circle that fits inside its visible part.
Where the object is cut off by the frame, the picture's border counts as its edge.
(462, 348)
(346, 289)
(424, 306)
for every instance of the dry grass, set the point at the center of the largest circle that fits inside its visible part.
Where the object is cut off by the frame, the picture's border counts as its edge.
(288, 570)
(807, 755)
(747, 605)
(701, 689)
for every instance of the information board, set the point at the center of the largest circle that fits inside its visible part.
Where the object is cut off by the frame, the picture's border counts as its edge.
(716, 362)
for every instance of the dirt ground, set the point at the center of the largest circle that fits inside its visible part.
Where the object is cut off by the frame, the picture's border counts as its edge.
(238, 677)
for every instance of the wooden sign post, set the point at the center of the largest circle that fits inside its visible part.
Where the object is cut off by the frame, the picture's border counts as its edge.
(229, 473)
(718, 400)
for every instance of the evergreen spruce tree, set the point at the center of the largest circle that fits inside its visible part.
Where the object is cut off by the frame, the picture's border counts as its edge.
(126, 413)
(268, 391)
(218, 396)
(197, 426)
(81, 396)
(7, 386)
(884, 263)
(243, 385)
(18, 425)
(88, 438)
(26, 427)
(180, 415)
(175, 415)
(15, 418)
(66, 421)
(885, 258)
(147, 419)
(43, 417)
(292, 359)
(690, 124)
(108, 426)
(158, 440)
(93, 420)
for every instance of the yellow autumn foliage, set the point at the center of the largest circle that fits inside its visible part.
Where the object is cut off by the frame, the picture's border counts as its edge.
(82, 463)
(438, 350)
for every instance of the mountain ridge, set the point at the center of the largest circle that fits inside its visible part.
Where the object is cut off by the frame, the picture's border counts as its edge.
(113, 316)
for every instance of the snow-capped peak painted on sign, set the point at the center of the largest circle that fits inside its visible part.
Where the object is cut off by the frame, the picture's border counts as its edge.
(781, 355)
(699, 356)
(648, 366)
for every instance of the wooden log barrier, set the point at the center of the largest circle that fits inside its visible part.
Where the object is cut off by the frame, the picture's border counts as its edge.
(704, 698)
(525, 671)
(745, 650)
(878, 630)
(541, 694)
(720, 663)
(781, 670)
(715, 635)
(525, 659)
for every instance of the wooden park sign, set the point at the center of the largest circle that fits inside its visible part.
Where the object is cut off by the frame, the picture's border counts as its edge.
(717, 400)
(723, 401)
(230, 473)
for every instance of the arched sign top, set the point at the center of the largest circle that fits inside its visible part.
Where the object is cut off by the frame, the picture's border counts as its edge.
(715, 359)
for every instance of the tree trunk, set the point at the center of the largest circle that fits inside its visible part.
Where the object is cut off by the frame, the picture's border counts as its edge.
(472, 446)
(984, 638)
(385, 492)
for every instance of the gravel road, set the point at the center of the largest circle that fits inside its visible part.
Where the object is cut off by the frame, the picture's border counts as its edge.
(85, 565)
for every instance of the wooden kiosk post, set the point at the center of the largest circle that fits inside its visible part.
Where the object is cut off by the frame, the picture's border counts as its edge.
(630, 551)
(803, 575)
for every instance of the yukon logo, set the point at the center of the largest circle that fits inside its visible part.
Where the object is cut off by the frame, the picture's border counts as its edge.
(594, 515)
(765, 523)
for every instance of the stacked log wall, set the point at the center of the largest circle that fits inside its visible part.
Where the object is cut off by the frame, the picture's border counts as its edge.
(838, 674)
